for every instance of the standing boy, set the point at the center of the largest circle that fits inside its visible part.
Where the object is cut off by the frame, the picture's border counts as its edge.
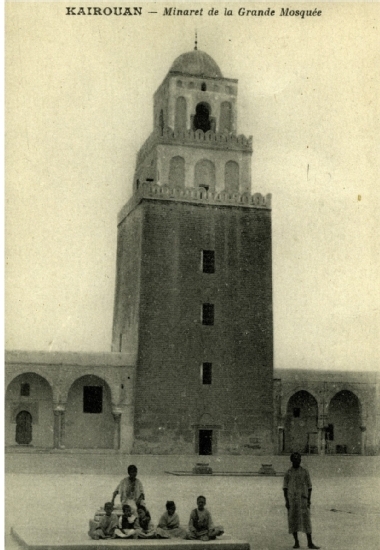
(297, 493)
(130, 489)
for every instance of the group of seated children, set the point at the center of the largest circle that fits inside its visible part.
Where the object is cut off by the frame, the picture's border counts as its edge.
(128, 525)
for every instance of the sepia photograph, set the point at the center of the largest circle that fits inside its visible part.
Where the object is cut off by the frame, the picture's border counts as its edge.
(192, 297)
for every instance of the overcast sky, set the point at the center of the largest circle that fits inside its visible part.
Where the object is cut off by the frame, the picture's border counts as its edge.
(79, 106)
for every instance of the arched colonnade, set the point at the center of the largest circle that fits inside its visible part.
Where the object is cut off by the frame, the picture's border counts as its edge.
(326, 421)
(68, 407)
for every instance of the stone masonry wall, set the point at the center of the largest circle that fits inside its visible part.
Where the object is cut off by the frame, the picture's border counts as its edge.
(170, 399)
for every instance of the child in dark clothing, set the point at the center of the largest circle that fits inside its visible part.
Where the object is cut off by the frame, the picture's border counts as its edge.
(126, 524)
(144, 525)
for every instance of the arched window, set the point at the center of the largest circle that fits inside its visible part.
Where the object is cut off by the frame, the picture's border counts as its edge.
(203, 86)
(180, 113)
(204, 174)
(225, 124)
(177, 172)
(231, 176)
(201, 120)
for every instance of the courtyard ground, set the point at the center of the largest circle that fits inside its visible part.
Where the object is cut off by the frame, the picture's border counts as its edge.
(61, 492)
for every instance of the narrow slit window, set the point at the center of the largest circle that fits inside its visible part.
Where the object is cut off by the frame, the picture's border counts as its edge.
(25, 390)
(208, 261)
(206, 373)
(92, 399)
(207, 314)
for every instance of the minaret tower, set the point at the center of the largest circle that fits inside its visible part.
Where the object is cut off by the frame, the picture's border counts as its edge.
(193, 300)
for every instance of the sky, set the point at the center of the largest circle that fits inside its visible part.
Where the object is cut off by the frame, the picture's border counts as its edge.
(79, 105)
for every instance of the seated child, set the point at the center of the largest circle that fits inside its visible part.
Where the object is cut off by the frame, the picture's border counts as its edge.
(105, 528)
(130, 489)
(200, 523)
(126, 524)
(168, 526)
(144, 525)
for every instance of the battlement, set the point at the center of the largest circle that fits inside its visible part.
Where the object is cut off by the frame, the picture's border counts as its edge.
(208, 140)
(197, 195)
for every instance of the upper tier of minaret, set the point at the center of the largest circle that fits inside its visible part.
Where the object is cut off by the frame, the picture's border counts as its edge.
(194, 143)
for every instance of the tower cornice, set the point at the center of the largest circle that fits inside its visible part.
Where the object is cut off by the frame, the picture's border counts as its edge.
(194, 195)
(208, 140)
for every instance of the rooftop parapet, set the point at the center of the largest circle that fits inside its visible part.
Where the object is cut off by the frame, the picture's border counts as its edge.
(208, 140)
(197, 195)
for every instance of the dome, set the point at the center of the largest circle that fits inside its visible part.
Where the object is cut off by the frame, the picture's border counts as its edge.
(196, 63)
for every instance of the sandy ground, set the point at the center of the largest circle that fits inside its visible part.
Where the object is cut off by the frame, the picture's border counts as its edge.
(345, 499)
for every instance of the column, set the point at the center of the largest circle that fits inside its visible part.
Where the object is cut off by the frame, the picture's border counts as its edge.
(363, 430)
(116, 413)
(57, 415)
(280, 439)
(59, 427)
(321, 434)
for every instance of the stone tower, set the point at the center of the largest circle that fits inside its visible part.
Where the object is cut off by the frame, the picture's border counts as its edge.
(193, 299)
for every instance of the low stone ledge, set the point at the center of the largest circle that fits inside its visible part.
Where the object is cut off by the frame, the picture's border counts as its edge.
(62, 540)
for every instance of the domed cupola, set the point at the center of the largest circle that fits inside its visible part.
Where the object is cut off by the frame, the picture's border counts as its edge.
(196, 63)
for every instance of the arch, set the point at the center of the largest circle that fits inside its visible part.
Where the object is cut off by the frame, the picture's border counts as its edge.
(201, 119)
(343, 421)
(336, 388)
(231, 176)
(76, 374)
(177, 172)
(301, 423)
(204, 174)
(180, 114)
(24, 371)
(225, 123)
(23, 428)
(89, 422)
(37, 422)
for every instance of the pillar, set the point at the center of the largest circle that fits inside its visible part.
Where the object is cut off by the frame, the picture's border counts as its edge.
(116, 413)
(57, 415)
(363, 430)
(59, 427)
(321, 434)
(280, 439)
(127, 428)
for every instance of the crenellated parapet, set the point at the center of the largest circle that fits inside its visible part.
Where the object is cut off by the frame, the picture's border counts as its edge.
(198, 195)
(197, 138)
